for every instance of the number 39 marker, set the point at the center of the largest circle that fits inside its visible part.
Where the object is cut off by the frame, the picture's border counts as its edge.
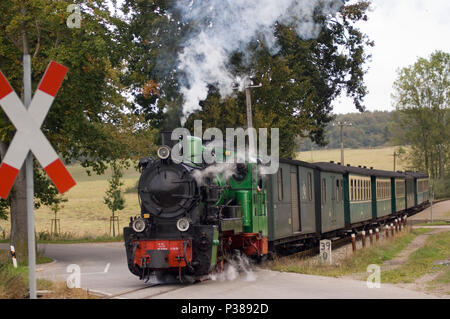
(29, 135)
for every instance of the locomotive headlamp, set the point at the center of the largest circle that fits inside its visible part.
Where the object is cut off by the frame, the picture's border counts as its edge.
(163, 152)
(183, 224)
(139, 225)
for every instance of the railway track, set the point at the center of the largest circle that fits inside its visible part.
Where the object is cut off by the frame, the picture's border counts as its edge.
(130, 293)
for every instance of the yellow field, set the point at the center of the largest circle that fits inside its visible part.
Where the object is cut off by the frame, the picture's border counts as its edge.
(379, 158)
(85, 214)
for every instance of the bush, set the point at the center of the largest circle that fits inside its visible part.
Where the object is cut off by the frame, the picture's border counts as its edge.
(441, 188)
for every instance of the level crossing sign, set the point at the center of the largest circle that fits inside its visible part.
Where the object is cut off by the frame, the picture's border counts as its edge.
(29, 136)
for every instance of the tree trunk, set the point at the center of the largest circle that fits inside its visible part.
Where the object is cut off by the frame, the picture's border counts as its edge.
(18, 198)
(18, 209)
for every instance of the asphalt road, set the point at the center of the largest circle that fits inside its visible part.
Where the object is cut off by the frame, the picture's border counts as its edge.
(104, 270)
(441, 211)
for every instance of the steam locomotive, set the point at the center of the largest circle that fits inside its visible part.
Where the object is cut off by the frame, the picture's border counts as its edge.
(191, 221)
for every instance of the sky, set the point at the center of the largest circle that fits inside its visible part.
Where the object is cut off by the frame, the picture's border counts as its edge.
(403, 30)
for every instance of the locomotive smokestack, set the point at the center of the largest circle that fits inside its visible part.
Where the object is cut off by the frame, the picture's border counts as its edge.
(166, 139)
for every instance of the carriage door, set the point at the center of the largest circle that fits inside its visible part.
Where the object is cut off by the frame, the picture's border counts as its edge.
(334, 199)
(294, 203)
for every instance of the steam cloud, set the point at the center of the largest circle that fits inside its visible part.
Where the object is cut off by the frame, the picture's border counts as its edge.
(238, 267)
(226, 26)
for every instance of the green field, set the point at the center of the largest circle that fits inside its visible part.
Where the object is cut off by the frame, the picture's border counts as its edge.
(379, 158)
(85, 214)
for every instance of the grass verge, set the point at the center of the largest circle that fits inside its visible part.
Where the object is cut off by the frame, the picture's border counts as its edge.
(14, 282)
(354, 263)
(438, 223)
(422, 261)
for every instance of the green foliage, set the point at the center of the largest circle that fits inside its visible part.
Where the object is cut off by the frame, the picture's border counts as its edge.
(152, 76)
(369, 129)
(422, 118)
(441, 188)
(88, 120)
(114, 198)
(4, 205)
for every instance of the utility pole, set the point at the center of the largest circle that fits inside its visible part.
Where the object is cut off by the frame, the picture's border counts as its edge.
(342, 124)
(431, 202)
(441, 168)
(395, 156)
(248, 86)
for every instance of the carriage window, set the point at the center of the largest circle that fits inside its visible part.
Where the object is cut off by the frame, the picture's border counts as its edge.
(324, 191)
(363, 197)
(280, 184)
(337, 191)
(365, 190)
(359, 189)
(368, 189)
(351, 189)
(310, 196)
(333, 190)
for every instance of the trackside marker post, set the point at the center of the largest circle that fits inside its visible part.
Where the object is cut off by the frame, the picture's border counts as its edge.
(13, 256)
(28, 117)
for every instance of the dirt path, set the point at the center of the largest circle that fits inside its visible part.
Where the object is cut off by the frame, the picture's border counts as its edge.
(417, 243)
(424, 283)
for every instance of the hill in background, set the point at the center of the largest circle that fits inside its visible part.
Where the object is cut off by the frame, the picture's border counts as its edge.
(369, 129)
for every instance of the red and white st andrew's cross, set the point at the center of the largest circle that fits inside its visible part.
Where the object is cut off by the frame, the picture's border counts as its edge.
(29, 135)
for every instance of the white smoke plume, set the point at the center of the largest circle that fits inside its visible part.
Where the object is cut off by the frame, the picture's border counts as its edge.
(226, 170)
(238, 267)
(222, 27)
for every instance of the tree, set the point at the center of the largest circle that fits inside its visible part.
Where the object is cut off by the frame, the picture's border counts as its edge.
(89, 112)
(157, 37)
(56, 206)
(422, 118)
(114, 198)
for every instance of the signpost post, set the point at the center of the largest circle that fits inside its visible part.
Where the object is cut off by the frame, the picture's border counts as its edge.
(28, 117)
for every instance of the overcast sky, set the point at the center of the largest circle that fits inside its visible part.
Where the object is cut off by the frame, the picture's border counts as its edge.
(403, 30)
